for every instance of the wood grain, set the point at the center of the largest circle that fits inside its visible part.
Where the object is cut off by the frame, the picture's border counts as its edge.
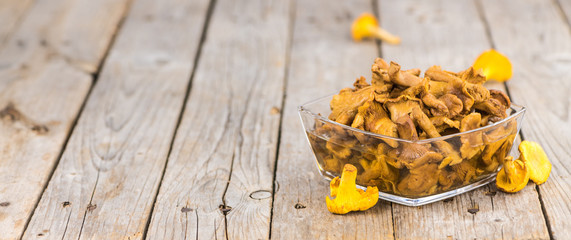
(565, 7)
(541, 58)
(11, 13)
(105, 184)
(452, 35)
(323, 60)
(218, 182)
(41, 92)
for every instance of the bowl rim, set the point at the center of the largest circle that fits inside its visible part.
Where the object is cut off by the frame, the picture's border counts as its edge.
(519, 110)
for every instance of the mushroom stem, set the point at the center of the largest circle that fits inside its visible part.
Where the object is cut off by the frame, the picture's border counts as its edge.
(384, 35)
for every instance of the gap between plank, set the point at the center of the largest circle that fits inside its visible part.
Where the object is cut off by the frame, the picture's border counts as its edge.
(566, 19)
(539, 196)
(544, 211)
(376, 12)
(275, 185)
(209, 11)
(480, 10)
(94, 77)
(487, 29)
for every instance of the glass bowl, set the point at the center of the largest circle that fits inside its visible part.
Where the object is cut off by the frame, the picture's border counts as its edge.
(407, 172)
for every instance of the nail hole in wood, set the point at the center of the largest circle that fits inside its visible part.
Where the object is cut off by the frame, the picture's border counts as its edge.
(299, 206)
(474, 209)
(4, 204)
(185, 209)
(491, 193)
(40, 129)
(65, 204)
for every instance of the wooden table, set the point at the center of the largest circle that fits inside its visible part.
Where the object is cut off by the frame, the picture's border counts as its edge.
(169, 119)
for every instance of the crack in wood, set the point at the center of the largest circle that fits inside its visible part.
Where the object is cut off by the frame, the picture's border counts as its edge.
(66, 225)
(198, 224)
(224, 208)
(88, 205)
(276, 185)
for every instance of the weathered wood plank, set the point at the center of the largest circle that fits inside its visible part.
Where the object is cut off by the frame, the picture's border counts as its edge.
(323, 60)
(565, 7)
(11, 12)
(41, 92)
(225, 148)
(539, 45)
(451, 34)
(108, 176)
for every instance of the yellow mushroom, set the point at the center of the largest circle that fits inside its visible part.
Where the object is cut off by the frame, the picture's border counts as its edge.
(494, 65)
(513, 176)
(367, 25)
(536, 161)
(347, 196)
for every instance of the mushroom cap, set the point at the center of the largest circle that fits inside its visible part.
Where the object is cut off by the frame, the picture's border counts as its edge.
(361, 27)
(536, 160)
(471, 75)
(513, 176)
(494, 65)
(453, 104)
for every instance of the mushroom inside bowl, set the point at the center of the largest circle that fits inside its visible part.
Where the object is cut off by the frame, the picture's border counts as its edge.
(410, 172)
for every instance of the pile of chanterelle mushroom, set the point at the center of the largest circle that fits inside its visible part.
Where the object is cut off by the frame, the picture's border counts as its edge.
(402, 104)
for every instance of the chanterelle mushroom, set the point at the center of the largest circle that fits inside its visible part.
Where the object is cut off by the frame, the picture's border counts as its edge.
(367, 25)
(403, 78)
(344, 105)
(373, 118)
(347, 196)
(536, 161)
(494, 65)
(453, 105)
(400, 103)
(420, 180)
(472, 144)
(513, 176)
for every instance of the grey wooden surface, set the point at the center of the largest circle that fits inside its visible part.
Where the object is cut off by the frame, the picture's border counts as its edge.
(42, 89)
(171, 119)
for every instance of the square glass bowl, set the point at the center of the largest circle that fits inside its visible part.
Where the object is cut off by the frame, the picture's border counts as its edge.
(411, 173)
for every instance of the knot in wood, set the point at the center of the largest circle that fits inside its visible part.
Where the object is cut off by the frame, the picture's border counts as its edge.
(260, 194)
(225, 209)
(91, 207)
